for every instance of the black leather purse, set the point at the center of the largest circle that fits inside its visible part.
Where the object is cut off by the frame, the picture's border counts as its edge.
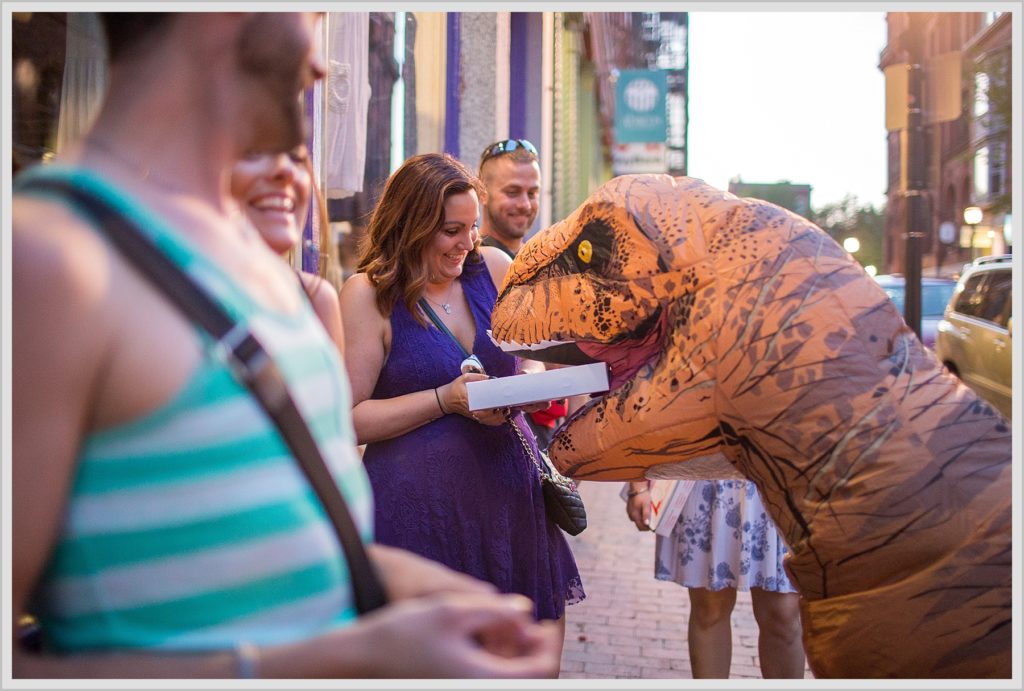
(562, 500)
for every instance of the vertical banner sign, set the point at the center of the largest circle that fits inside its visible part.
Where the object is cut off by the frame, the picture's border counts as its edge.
(641, 122)
(640, 114)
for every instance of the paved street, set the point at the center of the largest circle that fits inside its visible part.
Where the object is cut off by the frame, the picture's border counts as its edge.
(632, 626)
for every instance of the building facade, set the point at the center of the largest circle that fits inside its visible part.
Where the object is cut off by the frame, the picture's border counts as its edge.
(795, 197)
(966, 158)
(403, 83)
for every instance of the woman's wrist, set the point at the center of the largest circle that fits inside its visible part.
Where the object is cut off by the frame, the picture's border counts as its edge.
(341, 653)
(440, 403)
(637, 487)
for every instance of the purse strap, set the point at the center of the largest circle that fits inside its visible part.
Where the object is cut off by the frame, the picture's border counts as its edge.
(250, 363)
(541, 470)
(441, 325)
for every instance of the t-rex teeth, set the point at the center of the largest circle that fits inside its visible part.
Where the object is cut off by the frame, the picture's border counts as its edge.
(515, 346)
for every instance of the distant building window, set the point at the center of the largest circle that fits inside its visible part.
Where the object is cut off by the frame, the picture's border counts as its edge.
(981, 173)
(997, 169)
(980, 94)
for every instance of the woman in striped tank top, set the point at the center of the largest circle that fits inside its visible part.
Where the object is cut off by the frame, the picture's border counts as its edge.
(160, 526)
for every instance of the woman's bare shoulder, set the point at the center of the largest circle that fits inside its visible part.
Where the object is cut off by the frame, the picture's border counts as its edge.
(359, 297)
(321, 292)
(358, 287)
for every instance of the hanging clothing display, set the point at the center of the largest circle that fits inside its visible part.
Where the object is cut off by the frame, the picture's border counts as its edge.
(348, 97)
(85, 77)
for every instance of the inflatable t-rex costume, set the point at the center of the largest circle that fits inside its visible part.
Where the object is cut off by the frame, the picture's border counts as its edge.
(733, 325)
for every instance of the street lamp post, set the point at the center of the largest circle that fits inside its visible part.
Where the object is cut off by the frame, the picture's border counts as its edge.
(915, 218)
(972, 217)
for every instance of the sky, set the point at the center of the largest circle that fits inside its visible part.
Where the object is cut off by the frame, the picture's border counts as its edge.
(794, 96)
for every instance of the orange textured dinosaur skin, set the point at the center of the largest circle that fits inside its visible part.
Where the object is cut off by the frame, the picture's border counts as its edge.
(732, 325)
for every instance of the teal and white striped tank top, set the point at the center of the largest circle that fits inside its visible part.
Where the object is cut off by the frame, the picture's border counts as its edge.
(193, 527)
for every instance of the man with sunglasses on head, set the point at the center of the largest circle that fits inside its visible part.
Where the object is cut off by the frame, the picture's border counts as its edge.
(510, 173)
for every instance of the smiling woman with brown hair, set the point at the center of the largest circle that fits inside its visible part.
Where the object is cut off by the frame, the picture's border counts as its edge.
(450, 484)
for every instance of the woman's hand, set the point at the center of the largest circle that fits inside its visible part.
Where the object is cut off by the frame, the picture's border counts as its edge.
(533, 407)
(460, 636)
(454, 399)
(638, 506)
(491, 416)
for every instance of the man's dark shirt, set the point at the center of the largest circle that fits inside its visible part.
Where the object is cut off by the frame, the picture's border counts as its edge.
(490, 241)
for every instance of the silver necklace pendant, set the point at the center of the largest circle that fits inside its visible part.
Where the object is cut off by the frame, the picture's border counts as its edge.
(446, 307)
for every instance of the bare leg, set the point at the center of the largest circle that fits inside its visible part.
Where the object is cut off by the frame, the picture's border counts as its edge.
(710, 632)
(779, 645)
(560, 623)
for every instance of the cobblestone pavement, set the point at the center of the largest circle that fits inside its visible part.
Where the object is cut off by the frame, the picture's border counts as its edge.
(632, 626)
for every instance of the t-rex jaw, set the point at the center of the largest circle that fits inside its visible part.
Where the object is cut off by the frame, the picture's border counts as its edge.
(626, 358)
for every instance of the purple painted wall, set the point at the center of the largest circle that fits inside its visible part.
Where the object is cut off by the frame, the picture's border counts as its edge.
(518, 56)
(454, 89)
(310, 252)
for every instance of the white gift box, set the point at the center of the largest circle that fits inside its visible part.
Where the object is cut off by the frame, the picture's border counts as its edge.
(521, 389)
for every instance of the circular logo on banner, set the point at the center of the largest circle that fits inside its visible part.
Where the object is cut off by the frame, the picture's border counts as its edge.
(641, 95)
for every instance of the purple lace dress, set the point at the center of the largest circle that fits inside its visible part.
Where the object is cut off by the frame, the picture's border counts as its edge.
(459, 492)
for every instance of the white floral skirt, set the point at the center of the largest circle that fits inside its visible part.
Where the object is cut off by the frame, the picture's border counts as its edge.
(723, 539)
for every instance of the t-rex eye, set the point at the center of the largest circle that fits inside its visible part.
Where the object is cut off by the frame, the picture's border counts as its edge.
(585, 251)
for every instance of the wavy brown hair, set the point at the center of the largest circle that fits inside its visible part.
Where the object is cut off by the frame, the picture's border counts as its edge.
(322, 221)
(409, 212)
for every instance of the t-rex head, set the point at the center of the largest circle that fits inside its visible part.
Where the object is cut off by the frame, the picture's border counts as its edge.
(617, 282)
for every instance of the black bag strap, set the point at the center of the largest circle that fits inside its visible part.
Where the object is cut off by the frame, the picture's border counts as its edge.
(250, 363)
(441, 325)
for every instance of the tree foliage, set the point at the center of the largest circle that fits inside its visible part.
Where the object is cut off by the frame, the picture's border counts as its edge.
(849, 218)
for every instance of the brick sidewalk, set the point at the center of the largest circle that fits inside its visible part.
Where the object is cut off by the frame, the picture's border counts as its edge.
(632, 626)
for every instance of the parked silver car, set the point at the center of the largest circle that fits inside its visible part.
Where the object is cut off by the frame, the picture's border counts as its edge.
(975, 336)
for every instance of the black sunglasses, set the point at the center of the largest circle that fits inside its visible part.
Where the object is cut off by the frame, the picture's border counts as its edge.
(507, 146)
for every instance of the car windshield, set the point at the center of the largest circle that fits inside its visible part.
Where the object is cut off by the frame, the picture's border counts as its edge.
(934, 298)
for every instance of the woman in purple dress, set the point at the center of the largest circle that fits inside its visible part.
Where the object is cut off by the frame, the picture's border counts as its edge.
(450, 484)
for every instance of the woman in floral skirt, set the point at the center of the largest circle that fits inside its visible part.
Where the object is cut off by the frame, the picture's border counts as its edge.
(723, 542)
